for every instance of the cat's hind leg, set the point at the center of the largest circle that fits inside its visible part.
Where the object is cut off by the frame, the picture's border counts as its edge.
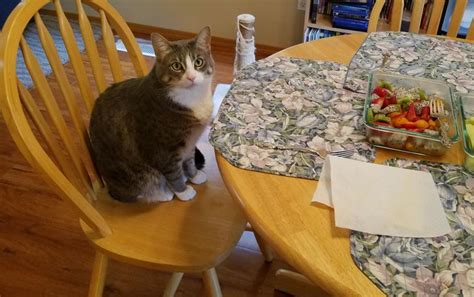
(195, 175)
(176, 180)
(157, 191)
(125, 183)
(122, 196)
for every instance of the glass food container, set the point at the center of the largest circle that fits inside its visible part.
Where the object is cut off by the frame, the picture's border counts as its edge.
(467, 116)
(405, 140)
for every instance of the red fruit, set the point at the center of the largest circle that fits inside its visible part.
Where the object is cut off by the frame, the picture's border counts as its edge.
(378, 101)
(425, 113)
(392, 100)
(411, 114)
(381, 92)
(389, 101)
(409, 125)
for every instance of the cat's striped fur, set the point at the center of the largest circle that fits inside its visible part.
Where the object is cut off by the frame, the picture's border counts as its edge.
(144, 130)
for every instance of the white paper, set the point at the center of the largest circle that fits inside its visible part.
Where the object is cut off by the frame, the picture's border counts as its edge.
(380, 199)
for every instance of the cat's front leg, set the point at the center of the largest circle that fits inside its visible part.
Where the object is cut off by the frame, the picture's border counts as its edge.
(175, 178)
(195, 175)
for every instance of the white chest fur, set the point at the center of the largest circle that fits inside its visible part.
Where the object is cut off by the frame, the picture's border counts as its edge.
(197, 98)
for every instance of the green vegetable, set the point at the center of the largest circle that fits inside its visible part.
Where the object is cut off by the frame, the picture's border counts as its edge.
(370, 115)
(404, 102)
(470, 133)
(422, 94)
(385, 85)
(470, 120)
(469, 163)
(381, 118)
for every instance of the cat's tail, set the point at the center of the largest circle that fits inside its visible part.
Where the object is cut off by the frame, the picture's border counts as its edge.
(199, 159)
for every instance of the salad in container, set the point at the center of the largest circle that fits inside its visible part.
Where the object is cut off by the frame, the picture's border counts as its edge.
(409, 114)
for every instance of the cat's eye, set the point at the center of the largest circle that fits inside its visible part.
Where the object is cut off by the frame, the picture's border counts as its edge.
(176, 66)
(198, 62)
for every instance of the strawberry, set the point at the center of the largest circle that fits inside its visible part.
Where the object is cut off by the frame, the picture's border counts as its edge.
(378, 101)
(411, 114)
(389, 101)
(425, 113)
(381, 92)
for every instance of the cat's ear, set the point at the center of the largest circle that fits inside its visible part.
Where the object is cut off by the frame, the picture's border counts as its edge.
(160, 44)
(203, 39)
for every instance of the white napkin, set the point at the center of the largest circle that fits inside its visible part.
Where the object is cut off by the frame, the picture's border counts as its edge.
(380, 199)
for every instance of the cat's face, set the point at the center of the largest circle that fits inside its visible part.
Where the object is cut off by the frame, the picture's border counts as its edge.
(184, 63)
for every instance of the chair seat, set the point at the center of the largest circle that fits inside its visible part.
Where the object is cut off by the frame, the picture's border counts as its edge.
(190, 236)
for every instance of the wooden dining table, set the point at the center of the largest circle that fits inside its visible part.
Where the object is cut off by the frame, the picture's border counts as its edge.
(280, 208)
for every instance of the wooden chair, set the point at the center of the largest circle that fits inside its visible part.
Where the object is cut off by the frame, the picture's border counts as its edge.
(416, 15)
(51, 133)
(395, 16)
(435, 18)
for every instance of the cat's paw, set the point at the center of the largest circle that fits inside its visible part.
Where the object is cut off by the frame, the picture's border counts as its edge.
(162, 195)
(199, 178)
(187, 194)
(165, 194)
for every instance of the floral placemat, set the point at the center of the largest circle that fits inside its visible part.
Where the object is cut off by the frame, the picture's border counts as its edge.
(413, 55)
(440, 266)
(280, 110)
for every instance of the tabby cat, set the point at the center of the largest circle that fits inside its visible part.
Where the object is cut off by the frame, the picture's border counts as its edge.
(144, 130)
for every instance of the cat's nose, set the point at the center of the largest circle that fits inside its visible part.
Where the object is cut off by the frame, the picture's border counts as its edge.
(191, 78)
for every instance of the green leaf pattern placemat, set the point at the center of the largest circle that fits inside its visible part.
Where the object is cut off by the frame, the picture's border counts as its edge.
(439, 266)
(413, 55)
(279, 109)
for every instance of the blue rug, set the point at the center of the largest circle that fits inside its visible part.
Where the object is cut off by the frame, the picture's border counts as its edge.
(145, 47)
(31, 36)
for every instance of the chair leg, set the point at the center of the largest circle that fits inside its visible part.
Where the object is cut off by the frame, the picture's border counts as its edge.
(211, 283)
(99, 272)
(173, 284)
(264, 248)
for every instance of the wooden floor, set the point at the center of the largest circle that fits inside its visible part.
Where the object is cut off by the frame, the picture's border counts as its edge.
(44, 253)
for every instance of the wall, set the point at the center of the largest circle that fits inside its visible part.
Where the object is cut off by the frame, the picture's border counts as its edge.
(278, 22)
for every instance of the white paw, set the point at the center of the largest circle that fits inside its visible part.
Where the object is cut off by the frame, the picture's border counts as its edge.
(165, 194)
(187, 194)
(161, 195)
(199, 178)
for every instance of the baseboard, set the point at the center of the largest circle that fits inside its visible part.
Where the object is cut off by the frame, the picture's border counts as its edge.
(144, 31)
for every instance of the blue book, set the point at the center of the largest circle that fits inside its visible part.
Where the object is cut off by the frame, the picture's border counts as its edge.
(351, 24)
(6, 7)
(351, 11)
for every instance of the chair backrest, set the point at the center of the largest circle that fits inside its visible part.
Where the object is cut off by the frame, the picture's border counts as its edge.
(456, 18)
(417, 10)
(50, 128)
(396, 15)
